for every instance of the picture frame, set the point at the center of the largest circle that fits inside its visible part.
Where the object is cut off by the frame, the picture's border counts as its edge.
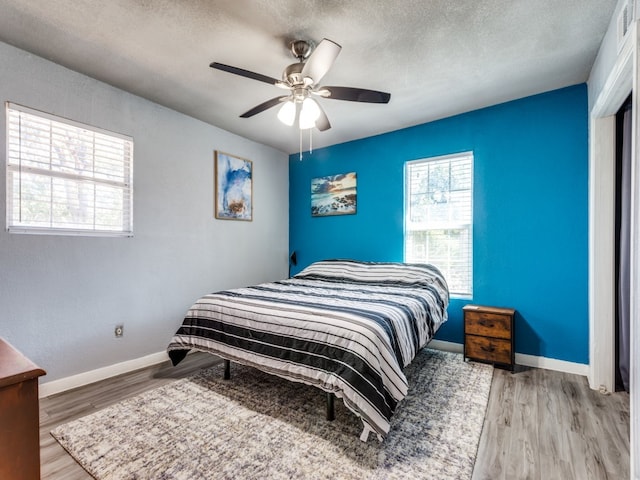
(334, 195)
(233, 180)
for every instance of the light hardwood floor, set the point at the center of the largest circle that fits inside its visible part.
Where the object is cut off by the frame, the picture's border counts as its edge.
(539, 424)
(548, 425)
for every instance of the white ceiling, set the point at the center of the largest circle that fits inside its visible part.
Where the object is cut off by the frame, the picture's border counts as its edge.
(436, 57)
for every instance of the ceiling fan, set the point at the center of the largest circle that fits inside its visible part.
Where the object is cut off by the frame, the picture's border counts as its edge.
(302, 80)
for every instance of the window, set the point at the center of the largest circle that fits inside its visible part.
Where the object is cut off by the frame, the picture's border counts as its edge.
(64, 177)
(439, 219)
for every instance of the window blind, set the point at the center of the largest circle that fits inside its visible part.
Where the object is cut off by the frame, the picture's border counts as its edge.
(439, 217)
(65, 177)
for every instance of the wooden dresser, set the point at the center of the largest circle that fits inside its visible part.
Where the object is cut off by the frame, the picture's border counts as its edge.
(19, 415)
(489, 334)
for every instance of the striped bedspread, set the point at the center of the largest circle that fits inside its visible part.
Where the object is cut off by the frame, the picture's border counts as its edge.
(344, 326)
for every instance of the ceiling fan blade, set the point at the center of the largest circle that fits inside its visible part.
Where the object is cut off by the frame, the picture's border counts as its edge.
(245, 73)
(322, 122)
(321, 60)
(264, 106)
(355, 94)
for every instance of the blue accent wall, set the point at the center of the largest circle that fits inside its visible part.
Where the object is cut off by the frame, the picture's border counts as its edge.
(530, 207)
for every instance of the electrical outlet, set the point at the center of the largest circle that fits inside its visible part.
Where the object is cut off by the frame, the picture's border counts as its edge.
(119, 331)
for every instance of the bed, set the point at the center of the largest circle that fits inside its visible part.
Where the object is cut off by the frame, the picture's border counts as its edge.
(344, 326)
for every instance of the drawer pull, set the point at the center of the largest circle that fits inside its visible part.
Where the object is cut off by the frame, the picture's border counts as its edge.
(484, 323)
(489, 349)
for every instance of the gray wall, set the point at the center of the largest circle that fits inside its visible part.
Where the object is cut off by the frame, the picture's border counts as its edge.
(61, 296)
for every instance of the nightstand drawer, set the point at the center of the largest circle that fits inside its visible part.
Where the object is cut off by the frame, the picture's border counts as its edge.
(488, 324)
(488, 349)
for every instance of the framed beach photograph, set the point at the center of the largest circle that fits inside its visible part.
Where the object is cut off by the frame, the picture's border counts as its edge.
(333, 195)
(233, 187)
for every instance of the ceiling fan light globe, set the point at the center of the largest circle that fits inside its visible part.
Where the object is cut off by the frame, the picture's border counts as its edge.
(310, 109)
(309, 113)
(287, 113)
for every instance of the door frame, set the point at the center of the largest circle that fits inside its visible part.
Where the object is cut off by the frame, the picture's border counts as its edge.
(622, 80)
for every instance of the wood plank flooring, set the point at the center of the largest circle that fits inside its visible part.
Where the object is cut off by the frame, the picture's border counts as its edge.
(548, 425)
(539, 424)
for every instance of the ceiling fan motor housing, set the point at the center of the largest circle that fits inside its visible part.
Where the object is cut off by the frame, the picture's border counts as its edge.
(292, 74)
(300, 86)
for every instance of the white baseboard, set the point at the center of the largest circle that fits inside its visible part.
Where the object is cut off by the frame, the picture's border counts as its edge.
(552, 364)
(85, 378)
(446, 346)
(523, 359)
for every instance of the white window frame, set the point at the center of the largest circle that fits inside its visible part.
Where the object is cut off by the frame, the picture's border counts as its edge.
(20, 165)
(410, 226)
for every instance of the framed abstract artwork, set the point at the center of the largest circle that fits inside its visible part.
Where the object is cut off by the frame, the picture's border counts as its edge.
(233, 187)
(333, 195)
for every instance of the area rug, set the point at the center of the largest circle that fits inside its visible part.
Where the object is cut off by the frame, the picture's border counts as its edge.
(257, 426)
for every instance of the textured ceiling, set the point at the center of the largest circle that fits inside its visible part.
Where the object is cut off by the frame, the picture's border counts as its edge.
(436, 57)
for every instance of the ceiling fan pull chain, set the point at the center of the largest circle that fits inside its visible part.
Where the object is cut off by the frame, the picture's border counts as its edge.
(300, 134)
(311, 140)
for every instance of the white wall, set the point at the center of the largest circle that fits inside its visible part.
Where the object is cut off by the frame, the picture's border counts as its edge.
(61, 296)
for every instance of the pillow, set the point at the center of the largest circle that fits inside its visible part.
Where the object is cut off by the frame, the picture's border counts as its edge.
(373, 272)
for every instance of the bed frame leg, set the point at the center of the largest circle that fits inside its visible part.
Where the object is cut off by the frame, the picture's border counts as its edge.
(227, 370)
(331, 414)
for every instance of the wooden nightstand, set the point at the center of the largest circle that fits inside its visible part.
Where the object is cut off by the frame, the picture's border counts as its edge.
(489, 335)
(19, 415)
